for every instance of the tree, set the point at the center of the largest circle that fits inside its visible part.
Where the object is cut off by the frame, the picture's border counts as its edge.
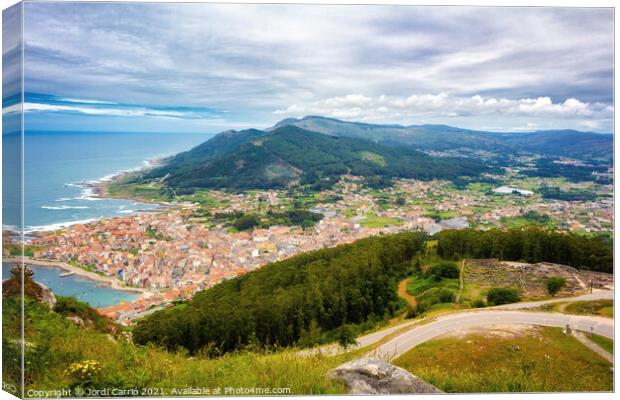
(346, 336)
(246, 222)
(444, 269)
(16, 273)
(555, 284)
(417, 266)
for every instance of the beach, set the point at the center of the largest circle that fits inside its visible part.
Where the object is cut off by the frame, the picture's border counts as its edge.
(108, 280)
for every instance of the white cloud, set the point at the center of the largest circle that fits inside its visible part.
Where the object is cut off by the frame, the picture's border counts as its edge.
(254, 59)
(414, 107)
(106, 111)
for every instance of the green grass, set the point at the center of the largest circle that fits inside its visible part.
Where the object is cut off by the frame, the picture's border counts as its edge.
(420, 284)
(55, 343)
(605, 342)
(374, 221)
(15, 250)
(373, 157)
(519, 222)
(441, 214)
(123, 190)
(472, 292)
(603, 308)
(544, 360)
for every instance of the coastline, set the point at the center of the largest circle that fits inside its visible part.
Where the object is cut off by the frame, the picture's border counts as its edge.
(99, 188)
(108, 280)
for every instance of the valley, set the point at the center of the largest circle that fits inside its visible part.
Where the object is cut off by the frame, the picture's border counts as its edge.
(267, 244)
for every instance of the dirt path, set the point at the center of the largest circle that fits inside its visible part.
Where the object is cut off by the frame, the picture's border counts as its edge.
(402, 292)
(594, 347)
(457, 299)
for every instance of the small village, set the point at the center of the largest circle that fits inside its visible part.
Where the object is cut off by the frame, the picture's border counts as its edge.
(174, 252)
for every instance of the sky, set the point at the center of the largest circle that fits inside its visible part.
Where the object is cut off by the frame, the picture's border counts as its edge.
(211, 67)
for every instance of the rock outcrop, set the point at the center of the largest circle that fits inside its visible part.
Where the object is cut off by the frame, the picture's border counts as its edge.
(372, 376)
(32, 289)
(45, 295)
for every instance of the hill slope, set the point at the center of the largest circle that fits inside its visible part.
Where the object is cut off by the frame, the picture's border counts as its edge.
(286, 155)
(442, 137)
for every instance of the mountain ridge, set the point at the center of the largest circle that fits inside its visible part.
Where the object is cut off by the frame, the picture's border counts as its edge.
(556, 142)
(287, 155)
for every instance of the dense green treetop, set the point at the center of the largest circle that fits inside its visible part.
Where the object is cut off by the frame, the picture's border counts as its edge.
(289, 155)
(283, 303)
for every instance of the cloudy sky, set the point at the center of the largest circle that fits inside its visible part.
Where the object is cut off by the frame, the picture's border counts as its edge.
(204, 68)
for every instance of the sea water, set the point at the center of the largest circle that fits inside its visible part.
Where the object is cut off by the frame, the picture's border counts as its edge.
(56, 165)
(95, 294)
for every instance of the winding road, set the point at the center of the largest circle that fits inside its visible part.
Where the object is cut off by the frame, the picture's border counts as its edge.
(415, 336)
(504, 314)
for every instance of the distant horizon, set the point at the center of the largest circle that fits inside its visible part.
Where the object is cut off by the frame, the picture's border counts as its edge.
(300, 118)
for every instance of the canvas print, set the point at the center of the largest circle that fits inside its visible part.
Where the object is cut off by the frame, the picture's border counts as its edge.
(206, 199)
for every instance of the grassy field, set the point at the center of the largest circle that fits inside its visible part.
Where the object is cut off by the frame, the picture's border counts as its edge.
(441, 214)
(418, 286)
(373, 157)
(472, 292)
(374, 221)
(145, 192)
(540, 360)
(604, 342)
(603, 308)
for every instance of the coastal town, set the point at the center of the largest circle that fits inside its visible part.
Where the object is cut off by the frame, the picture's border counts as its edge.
(174, 252)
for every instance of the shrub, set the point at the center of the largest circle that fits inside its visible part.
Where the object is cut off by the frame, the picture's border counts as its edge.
(446, 295)
(412, 312)
(346, 336)
(444, 269)
(554, 284)
(422, 307)
(84, 373)
(499, 295)
(478, 303)
(437, 295)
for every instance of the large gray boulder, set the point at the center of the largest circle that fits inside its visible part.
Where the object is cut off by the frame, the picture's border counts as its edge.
(46, 295)
(372, 376)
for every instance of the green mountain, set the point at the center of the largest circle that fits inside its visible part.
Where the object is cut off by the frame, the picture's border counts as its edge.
(582, 145)
(287, 155)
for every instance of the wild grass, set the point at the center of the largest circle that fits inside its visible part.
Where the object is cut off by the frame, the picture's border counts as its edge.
(605, 342)
(603, 308)
(420, 284)
(55, 343)
(374, 221)
(543, 360)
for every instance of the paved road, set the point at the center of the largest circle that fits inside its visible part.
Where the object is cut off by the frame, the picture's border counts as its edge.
(447, 323)
(371, 338)
(594, 347)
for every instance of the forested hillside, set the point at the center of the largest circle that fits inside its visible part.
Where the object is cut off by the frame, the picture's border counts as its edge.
(531, 245)
(291, 300)
(582, 145)
(290, 154)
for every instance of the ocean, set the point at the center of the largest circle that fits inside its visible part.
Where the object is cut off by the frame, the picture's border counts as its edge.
(55, 163)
